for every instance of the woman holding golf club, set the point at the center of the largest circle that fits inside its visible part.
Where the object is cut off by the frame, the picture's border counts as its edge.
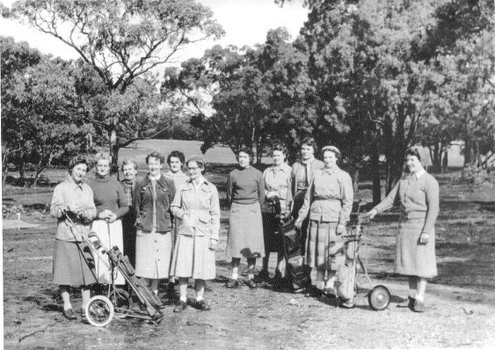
(72, 258)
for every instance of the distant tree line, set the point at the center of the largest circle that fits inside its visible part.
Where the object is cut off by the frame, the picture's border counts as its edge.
(372, 77)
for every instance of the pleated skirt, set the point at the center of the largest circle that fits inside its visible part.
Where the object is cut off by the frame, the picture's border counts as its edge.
(412, 258)
(153, 254)
(110, 235)
(73, 265)
(324, 248)
(245, 237)
(192, 258)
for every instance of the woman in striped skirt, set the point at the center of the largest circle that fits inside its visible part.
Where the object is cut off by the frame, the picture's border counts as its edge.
(329, 203)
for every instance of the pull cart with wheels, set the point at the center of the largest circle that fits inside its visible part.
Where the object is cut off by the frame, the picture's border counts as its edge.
(356, 237)
(101, 309)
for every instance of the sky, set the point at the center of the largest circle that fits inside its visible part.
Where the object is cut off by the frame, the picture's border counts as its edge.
(245, 22)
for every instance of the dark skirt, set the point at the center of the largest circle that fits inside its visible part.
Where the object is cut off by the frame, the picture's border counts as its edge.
(412, 258)
(325, 249)
(271, 234)
(73, 264)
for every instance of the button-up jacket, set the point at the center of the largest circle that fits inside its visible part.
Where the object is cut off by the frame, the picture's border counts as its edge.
(144, 200)
(329, 197)
(68, 192)
(278, 180)
(201, 204)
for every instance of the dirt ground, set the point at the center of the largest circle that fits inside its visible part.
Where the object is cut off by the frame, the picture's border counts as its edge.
(460, 301)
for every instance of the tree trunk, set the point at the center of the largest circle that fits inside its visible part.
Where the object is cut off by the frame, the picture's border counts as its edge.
(436, 158)
(467, 150)
(375, 175)
(355, 182)
(445, 161)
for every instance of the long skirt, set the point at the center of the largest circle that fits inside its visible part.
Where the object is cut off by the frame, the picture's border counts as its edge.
(271, 234)
(412, 258)
(245, 237)
(110, 235)
(192, 258)
(153, 254)
(325, 249)
(73, 264)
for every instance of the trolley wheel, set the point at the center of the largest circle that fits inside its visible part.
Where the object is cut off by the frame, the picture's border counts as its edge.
(120, 299)
(99, 311)
(379, 298)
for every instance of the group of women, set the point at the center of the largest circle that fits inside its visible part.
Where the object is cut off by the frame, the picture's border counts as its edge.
(176, 221)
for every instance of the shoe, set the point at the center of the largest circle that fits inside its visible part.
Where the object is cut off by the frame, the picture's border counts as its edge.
(70, 314)
(180, 306)
(312, 292)
(409, 302)
(263, 275)
(418, 306)
(232, 284)
(251, 283)
(347, 304)
(202, 305)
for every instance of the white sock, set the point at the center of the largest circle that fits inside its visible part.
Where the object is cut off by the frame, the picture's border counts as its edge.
(235, 276)
(198, 299)
(250, 276)
(184, 299)
(419, 298)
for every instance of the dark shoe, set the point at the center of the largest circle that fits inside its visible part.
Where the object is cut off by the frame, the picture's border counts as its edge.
(251, 283)
(418, 306)
(232, 284)
(202, 305)
(409, 302)
(263, 276)
(70, 314)
(180, 306)
(313, 292)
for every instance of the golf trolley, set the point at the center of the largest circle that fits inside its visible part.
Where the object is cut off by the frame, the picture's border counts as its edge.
(346, 278)
(347, 286)
(101, 309)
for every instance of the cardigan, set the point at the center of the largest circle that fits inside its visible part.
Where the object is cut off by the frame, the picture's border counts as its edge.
(417, 198)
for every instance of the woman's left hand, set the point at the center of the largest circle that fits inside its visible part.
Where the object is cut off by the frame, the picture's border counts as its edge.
(340, 229)
(111, 217)
(423, 238)
(213, 244)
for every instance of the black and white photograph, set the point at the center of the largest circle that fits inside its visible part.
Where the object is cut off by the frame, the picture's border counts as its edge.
(247, 174)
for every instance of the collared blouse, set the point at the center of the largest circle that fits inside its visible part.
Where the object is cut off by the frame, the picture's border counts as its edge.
(202, 206)
(330, 197)
(69, 193)
(277, 179)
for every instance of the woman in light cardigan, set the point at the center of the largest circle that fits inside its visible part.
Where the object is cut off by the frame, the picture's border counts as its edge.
(417, 194)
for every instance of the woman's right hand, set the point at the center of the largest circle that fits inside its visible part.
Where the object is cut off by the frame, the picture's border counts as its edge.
(298, 223)
(371, 214)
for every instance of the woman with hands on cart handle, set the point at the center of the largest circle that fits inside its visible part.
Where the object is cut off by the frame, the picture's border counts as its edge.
(197, 208)
(72, 259)
(329, 203)
(417, 194)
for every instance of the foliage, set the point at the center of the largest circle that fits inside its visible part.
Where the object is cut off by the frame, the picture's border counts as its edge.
(256, 94)
(122, 41)
(37, 116)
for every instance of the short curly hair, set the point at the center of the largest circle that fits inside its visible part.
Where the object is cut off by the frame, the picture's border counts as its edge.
(156, 155)
(176, 154)
(79, 159)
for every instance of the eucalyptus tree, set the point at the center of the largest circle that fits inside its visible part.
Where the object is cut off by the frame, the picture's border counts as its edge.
(121, 40)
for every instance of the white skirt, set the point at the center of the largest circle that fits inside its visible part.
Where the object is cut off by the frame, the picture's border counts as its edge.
(153, 254)
(110, 235)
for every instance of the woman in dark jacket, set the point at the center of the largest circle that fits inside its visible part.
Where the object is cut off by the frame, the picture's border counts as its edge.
(152, 198)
